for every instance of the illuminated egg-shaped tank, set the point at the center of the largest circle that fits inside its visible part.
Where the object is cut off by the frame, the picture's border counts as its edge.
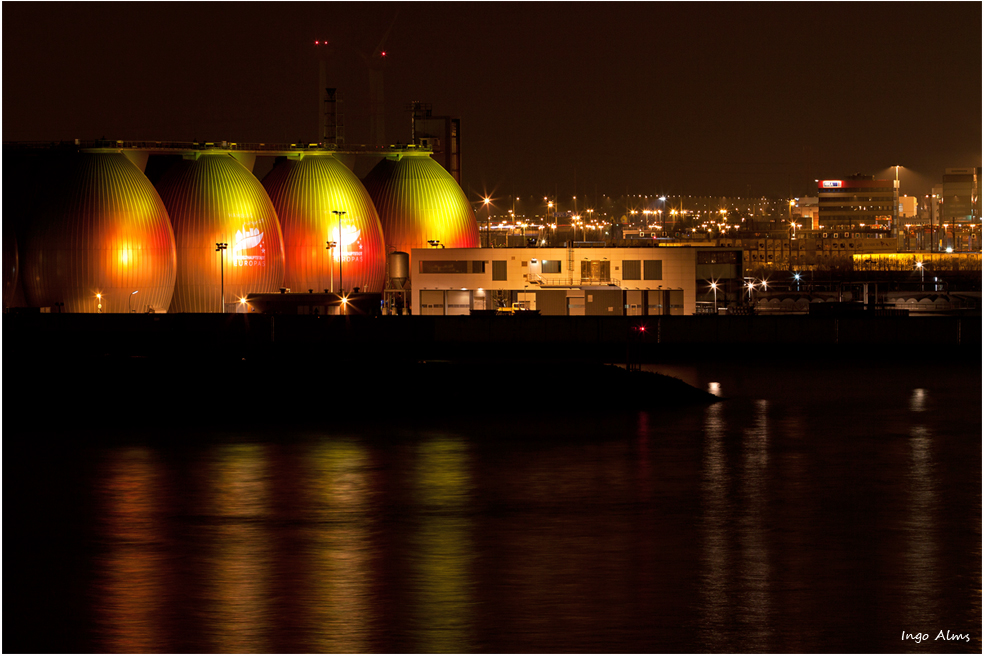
(212, 199)
(418, 201)
(332, 236)
(99, 236)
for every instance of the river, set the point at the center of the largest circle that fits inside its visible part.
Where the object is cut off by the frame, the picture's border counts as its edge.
(820, 507)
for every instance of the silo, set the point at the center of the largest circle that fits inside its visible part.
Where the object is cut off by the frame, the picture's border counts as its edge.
(319, 200)
(212, 198)
(418, 201)
(398, 269)
(101, 229)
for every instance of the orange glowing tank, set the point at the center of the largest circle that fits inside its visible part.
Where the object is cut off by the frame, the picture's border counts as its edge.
(99, 235)
(332, 236)
(211, 199)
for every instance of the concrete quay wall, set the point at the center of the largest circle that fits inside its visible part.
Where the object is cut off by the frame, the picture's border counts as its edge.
(538, 337)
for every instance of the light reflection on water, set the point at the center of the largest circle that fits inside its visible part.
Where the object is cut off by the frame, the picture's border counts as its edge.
(441, 578)
(131, 570)
(238, 565)
(801, 519)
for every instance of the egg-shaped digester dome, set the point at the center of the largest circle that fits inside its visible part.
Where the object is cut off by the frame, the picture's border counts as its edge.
(319, 200)
(100, 229)
(212, 198)
(419, 201)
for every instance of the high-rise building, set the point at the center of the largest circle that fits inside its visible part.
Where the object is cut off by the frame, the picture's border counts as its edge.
(960, 201)
(858, 202)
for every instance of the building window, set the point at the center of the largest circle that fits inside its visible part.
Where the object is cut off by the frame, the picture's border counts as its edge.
(631, 269)
(652, 270)
(452, 266)
(717, 257)
(444, 266)
(550, 266)
(498, 269)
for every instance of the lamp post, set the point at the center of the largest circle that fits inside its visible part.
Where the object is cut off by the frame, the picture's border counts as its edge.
(330, 246)
(128, 299)
(714, 287)
(488, 221)
(99, 303)
(221, 247)
(341, 254)
(922, 272)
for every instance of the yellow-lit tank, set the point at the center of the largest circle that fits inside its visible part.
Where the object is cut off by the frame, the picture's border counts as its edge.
(99, 235)
(319, 200)
(212, 198)
(418, 201)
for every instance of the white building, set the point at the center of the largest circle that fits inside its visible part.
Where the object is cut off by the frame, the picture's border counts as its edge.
(569, 281)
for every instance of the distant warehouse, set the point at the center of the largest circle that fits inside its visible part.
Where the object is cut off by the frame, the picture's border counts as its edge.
(570, 281)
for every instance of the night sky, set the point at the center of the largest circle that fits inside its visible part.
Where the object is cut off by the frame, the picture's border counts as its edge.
(554, 98)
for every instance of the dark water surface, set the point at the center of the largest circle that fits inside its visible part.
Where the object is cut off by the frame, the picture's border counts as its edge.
(821, 508)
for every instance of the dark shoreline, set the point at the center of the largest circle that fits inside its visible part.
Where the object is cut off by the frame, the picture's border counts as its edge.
(144, 372)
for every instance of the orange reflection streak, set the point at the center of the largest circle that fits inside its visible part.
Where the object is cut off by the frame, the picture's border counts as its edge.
(922, 588)
(238, 569)
(339, 559)
(755, 575)
(715, 538)
(130, 577)
(444, 580)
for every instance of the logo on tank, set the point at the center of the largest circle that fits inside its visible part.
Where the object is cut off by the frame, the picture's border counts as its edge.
(247, 247)
(351, 250)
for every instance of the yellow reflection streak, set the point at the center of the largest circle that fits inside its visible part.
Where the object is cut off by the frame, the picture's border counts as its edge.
(443, 585)
(130, 574)
(339, 599)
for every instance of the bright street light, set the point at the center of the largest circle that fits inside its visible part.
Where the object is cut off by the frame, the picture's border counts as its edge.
(221, 248)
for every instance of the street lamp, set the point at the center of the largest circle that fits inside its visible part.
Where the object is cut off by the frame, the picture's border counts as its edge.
(99, 303)
(488, 221)
(221, 247)
(330, 246)
(341, 255)
(714, 286)
(128, 299)
(922, 273)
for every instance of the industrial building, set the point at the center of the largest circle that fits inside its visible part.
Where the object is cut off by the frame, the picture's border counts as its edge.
(856, 203)
(92, 233)
(581, 280)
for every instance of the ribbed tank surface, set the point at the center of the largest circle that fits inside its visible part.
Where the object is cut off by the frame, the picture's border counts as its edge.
(319, 200)
(418, 201)
(100, 235)
(214, 199)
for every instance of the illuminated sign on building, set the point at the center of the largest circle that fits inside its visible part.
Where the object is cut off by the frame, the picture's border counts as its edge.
(832, 184)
